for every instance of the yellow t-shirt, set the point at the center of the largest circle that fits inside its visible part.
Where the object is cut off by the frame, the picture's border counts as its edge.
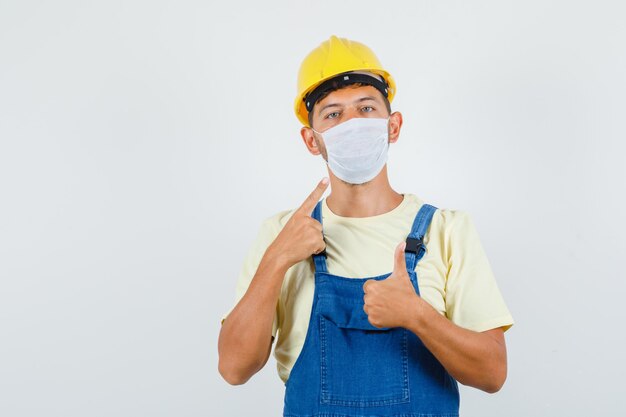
(454, 276)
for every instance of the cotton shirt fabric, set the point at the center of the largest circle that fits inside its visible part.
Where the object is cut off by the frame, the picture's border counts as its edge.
(454, 276)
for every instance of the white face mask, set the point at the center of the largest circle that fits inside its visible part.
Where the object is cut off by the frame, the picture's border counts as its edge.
(357, 149)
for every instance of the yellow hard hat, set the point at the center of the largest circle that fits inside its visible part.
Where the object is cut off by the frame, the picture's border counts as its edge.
(334, 57)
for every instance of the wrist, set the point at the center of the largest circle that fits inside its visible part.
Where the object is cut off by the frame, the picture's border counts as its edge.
(416, 317)
(275, 259)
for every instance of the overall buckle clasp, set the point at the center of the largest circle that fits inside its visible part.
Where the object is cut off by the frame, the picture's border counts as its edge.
(413, 245)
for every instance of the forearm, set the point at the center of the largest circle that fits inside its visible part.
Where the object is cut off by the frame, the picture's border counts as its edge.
(245, 338)
(477, 359)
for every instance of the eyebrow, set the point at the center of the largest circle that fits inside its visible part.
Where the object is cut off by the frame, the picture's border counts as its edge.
(367, 98)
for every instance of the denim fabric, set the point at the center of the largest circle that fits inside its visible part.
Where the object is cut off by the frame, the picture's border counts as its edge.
(349, 368)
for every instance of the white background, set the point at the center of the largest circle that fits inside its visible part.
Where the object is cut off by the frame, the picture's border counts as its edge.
(143, 142)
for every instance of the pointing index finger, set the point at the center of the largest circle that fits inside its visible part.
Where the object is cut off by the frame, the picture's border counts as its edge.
(309, 204)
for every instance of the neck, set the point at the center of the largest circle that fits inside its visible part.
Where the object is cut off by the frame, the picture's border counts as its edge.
(363, 200)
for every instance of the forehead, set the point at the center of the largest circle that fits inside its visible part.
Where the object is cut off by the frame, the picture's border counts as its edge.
(350, 94)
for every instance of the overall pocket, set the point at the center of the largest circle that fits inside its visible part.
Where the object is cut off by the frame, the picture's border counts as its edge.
(361, 365)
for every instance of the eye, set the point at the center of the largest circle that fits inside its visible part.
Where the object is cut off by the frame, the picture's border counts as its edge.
(332, 115)
(367, 109)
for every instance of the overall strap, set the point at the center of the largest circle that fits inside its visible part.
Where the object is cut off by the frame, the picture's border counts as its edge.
(415, 247)
(320, 258)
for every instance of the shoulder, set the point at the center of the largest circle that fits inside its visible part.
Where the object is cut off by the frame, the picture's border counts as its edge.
(273, 224)
(445, 221)
(451, 221)
(452, 231)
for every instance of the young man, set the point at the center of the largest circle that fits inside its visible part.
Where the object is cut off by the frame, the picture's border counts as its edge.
(381, 303)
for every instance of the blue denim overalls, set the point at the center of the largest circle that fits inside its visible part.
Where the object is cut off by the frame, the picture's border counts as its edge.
(349, 368)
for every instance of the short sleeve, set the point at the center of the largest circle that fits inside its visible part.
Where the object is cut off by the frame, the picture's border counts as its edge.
(266, 235)
(473, 300)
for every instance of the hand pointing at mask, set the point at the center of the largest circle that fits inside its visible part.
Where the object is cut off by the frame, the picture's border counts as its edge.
(246, 335)
(302, 234)
(392, 302)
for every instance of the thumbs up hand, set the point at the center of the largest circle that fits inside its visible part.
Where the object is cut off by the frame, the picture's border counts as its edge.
(392, 302)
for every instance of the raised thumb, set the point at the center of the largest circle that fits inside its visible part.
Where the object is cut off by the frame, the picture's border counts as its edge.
(399, 264)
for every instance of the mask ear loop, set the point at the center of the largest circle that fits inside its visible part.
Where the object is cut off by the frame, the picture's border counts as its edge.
(319, 133)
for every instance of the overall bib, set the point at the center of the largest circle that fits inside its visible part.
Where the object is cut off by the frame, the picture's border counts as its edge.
(349, 368)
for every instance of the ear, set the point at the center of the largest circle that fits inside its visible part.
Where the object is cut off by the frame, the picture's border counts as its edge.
(395, 124)
(308, 137)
